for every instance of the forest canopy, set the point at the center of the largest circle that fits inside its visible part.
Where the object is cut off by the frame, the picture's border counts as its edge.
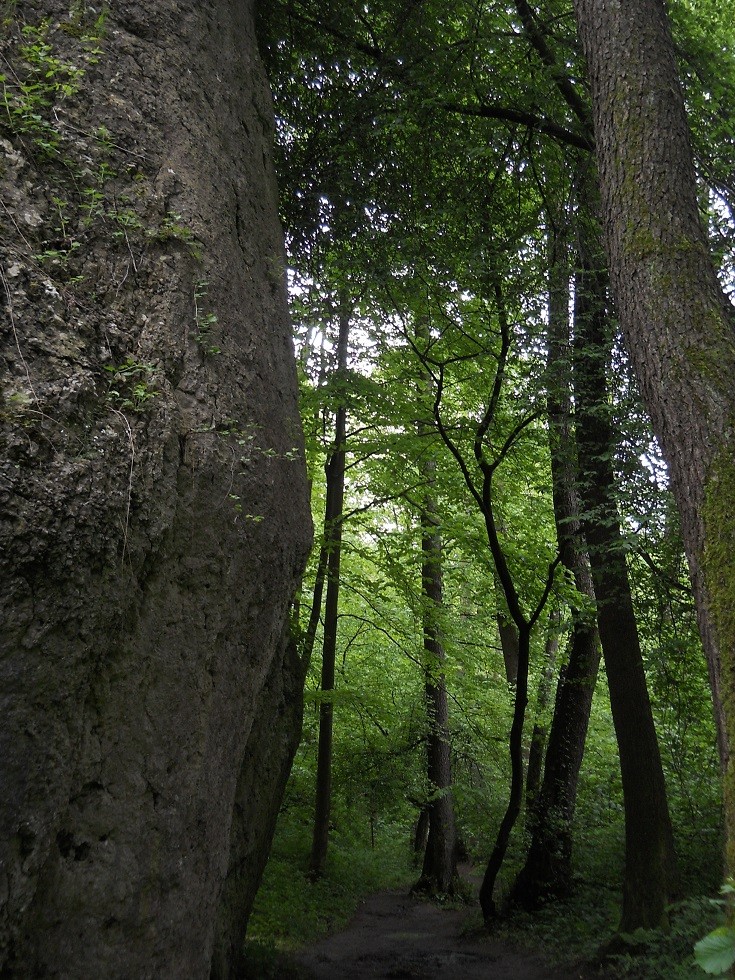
(494, 506)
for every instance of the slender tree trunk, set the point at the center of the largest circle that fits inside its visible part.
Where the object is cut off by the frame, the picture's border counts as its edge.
(547, 870)
(515, 744)
(678, 324)
(307, 638)
(538, 736)
(650, 863)
(335, 472)
(421, 834)
(439, 873)
(524, 622)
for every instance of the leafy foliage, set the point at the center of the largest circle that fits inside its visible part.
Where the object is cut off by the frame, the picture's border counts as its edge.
(716, 952)
(423, 151)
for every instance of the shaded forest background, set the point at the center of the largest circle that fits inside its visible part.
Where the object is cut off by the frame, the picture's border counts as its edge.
(473, 423)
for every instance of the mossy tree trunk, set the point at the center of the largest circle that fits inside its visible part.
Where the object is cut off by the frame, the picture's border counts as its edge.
(678, 324)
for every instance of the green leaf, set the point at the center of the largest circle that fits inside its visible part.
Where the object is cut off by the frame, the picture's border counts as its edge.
(716, 952)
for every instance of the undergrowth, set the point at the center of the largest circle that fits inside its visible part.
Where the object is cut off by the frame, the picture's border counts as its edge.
(291, 909)
(568, 934)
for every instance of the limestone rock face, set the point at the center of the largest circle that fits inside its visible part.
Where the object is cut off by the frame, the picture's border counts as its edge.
(153, 504)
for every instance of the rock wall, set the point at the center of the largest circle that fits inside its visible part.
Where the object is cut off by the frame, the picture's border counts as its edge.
(153, 504)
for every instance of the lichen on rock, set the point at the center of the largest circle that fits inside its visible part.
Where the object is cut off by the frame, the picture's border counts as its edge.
(144, 651)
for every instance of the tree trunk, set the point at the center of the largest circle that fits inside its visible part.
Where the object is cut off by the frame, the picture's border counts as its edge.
(421, 835)
(507, 629)
(650, 863)
(154, 508)
(439, 872)
(515, 799)
(678, 324)
(524, 622)
(547, 870)
(508, 644)
(538, 736)
(335, 471)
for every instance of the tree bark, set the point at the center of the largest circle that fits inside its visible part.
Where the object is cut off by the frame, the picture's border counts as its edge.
(421, 834)
(335, 472)
(649, 882)
(678, 324)
(537, 746)
(547, 870)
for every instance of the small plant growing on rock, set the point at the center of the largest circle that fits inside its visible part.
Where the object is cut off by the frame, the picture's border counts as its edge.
(205, 322)
(130, 385)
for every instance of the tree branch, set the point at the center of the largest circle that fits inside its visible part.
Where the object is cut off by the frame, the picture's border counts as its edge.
(526, 118)
(561, 79)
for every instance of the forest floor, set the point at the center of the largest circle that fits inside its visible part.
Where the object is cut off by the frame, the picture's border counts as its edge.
(401, 937)
(396, 936)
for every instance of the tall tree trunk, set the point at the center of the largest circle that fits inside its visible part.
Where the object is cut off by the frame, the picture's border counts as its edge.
(678, 324)
(547, 869)
(439, 872)
(537, 745)
(650, 864)
(335, 473)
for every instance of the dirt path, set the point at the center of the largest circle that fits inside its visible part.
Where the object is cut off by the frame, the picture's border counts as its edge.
(402, 938)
